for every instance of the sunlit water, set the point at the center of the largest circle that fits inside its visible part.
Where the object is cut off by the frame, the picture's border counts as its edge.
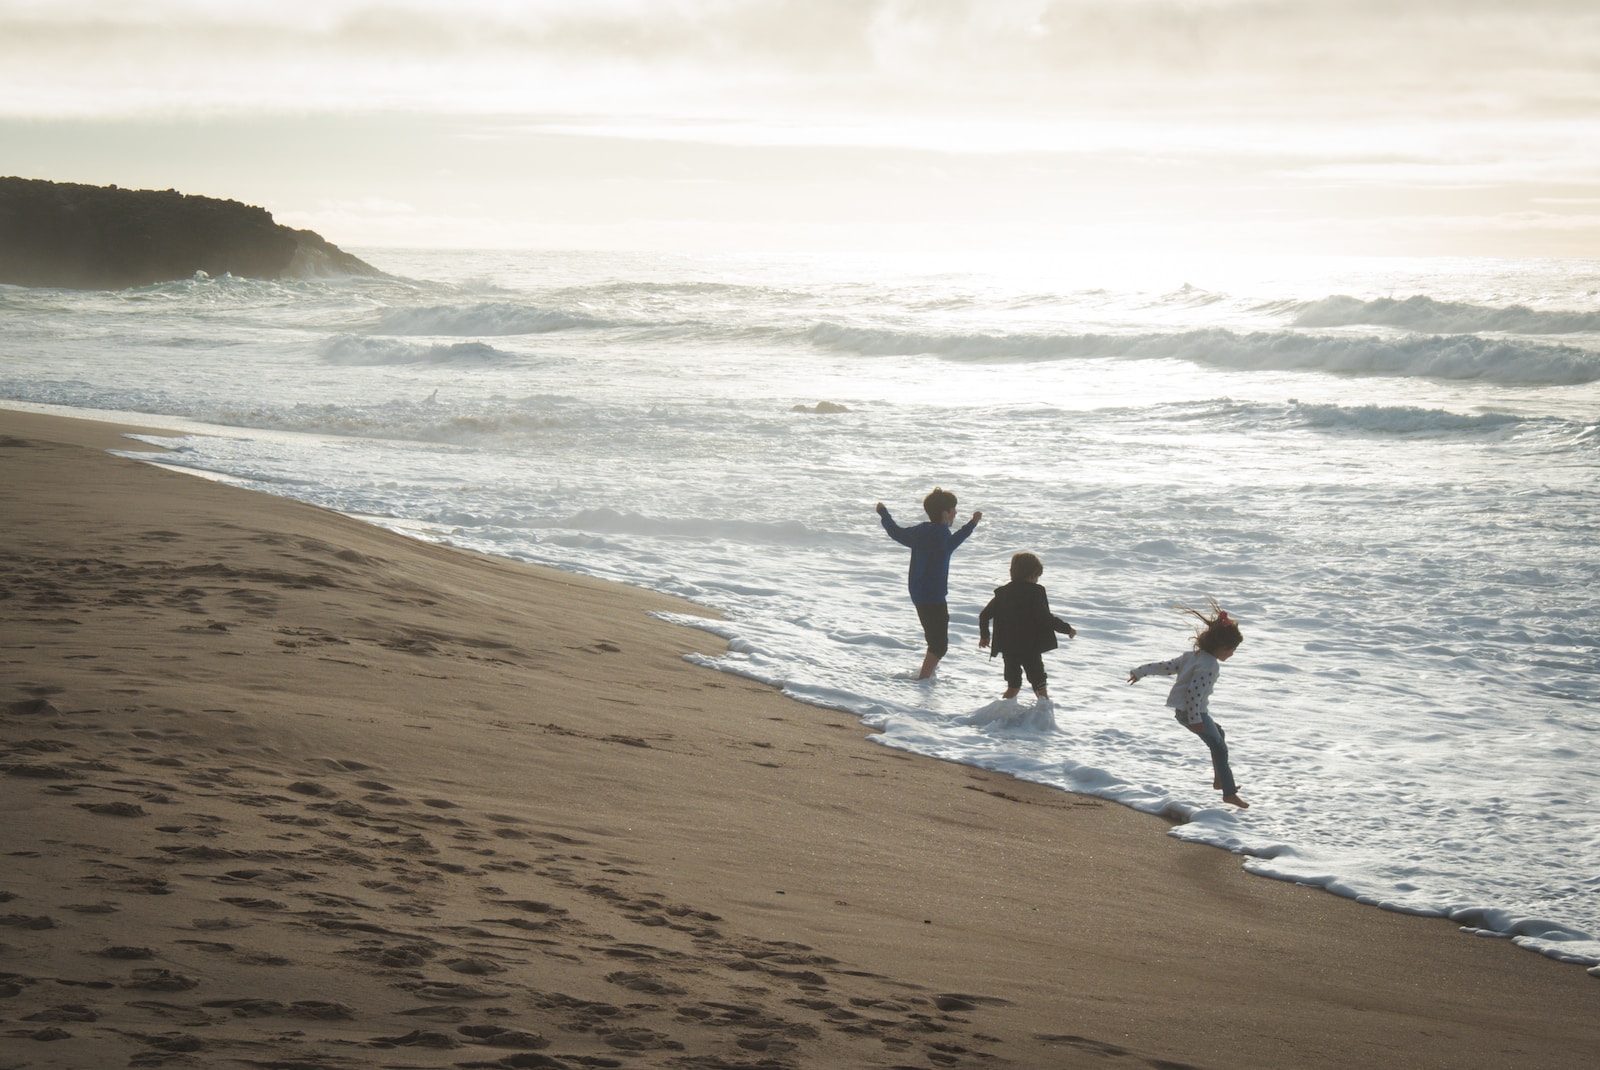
(1389, 471)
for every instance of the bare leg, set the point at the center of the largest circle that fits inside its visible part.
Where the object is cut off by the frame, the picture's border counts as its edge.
(1234, 800)
(1011, 692)
(929, 663)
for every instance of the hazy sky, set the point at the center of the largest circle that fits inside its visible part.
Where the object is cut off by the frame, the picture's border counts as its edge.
(1363, 126)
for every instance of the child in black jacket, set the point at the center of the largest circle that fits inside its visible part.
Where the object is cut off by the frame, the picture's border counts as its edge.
(1024, 627)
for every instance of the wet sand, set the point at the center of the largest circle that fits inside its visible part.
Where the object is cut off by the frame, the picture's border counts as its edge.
(282, 789)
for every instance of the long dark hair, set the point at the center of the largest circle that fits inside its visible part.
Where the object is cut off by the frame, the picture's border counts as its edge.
(1221, 632)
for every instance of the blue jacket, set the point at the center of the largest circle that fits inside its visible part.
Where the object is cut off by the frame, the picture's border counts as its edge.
(931, 544)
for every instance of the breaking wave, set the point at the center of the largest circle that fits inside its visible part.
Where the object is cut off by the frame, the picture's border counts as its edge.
(1398, 420)
(1421, 356)
(494, 318)
(356, 350)
(1429, 315)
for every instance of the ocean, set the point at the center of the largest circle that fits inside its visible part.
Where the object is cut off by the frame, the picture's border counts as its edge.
(1388, 471)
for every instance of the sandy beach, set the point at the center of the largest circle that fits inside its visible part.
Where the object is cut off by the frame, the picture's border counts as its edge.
(286, 790)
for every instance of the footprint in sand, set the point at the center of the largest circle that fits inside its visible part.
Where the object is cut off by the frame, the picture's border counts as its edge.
(65, 1012)
(156, 979)
(473, 966)
(637, 1038)
(113, 809)
(92, 908)
(247, 903)
(445, 990)
(438, 1013)
(644, 982)
(531, 906)
(175, 1043)
(126, 952)
(317, 1009)
(344, 765)
(495, 1036)
(30, 707)
(40, 772)
(417, 1038)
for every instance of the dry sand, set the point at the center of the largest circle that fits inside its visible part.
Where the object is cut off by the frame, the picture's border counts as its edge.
(285, 790)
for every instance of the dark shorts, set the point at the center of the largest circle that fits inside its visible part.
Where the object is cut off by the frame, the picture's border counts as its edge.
(936, 626)
(1016, 665)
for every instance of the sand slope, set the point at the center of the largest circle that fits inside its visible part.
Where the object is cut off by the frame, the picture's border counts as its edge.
(283, 790)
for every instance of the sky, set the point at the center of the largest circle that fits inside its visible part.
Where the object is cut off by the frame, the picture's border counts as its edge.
(1090, 127)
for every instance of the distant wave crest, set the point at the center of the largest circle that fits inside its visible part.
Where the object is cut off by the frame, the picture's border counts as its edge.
(494, 318)
(1399, 419)
(1420, 356)
(356, 350)
(1429, 315)
(649, 288)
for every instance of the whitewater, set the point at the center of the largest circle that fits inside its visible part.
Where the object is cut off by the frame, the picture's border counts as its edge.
(1388, 471)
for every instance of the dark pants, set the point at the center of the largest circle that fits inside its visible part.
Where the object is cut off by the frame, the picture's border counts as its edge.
(936, 626)
(1017, 664)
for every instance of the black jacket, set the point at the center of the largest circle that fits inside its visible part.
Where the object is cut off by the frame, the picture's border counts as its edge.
(1023, 623)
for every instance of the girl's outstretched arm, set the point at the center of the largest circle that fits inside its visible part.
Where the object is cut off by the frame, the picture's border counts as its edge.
(1159, 668)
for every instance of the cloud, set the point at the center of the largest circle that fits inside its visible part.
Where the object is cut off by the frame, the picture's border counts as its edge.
(715, 58)
(1182, 110)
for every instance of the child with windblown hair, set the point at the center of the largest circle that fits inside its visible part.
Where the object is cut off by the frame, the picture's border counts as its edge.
(1024, 627)
(1197, 673)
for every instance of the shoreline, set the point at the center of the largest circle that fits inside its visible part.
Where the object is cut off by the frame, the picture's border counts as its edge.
(1528, 933)
(409, 771)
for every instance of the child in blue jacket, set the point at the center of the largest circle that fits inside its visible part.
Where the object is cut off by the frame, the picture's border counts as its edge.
(928, 579)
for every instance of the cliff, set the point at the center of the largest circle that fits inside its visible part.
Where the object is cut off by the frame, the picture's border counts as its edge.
(105, 238)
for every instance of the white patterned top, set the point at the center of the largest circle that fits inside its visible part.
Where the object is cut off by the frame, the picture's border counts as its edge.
(1196, 673)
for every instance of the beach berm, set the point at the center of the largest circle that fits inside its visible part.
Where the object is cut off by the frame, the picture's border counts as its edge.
(285, 789)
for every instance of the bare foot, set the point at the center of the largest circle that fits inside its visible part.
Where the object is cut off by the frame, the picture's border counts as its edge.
(1236, 801)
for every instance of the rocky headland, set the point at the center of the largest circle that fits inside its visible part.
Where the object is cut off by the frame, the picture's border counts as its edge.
(74, 236)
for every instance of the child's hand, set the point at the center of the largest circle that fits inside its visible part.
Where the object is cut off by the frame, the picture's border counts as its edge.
(977, 517)
(878, 508)
(983, 642)
(1132, 679)
(1072, 633)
